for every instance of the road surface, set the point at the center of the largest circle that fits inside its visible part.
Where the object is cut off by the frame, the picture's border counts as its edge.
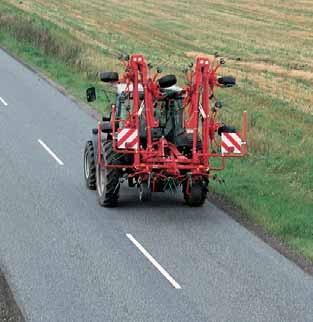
(67, 259)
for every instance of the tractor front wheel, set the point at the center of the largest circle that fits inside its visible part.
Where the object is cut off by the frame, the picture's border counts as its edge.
(108, 183)
(196, 194)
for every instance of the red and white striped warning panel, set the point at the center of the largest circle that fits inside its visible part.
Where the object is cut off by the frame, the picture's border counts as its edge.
(127, 139)
(231, 143)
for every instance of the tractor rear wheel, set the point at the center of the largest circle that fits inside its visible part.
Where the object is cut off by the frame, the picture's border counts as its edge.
(90, 166)
(196, 195)
(108, 183)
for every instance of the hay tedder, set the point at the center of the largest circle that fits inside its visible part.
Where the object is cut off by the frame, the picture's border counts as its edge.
(159, 136)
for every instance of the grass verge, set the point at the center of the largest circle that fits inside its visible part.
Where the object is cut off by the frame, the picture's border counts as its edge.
(272, 187)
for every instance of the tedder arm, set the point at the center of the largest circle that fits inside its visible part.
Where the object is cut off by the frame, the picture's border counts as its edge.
(202, 116)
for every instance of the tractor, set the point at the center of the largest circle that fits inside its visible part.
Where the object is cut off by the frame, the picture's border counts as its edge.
(160, 136)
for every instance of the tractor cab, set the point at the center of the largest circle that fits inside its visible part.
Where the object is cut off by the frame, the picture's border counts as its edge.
(168, 111)
(124, 99)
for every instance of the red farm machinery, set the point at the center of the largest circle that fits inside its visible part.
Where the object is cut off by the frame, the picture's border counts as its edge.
(159, 136)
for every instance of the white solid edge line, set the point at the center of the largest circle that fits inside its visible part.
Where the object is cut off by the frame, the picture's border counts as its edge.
(153, 261)
(3, 101)
(50, 152)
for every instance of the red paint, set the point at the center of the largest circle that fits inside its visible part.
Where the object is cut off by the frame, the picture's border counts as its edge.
(201, 83)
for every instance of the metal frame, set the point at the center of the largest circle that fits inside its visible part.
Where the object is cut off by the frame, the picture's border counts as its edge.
(153, 161)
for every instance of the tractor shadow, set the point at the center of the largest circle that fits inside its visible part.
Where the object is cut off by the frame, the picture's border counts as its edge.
(129, 198)
(164, 207)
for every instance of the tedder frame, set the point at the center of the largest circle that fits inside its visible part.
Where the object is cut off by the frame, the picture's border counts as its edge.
(142, 150)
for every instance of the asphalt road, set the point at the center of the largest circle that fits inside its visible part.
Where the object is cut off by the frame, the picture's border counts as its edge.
(67, 259)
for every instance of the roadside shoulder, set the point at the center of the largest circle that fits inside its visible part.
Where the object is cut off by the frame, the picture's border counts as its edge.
(238, 215)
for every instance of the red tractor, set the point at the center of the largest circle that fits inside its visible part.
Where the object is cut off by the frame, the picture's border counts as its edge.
(159, 136)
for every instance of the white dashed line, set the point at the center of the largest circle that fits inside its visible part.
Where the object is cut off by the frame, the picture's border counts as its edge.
(154, 262)
(3, 101)
(50, 152)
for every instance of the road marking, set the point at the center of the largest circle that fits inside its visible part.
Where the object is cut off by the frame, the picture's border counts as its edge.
(3, 101)
(50, 152)
(153, 262)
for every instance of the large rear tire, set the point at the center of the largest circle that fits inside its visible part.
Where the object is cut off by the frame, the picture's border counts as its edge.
(196, 195)
(108, 184)
(90, 166)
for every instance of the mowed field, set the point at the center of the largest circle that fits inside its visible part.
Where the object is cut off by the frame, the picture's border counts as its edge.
(267, 45)
(272, 39)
